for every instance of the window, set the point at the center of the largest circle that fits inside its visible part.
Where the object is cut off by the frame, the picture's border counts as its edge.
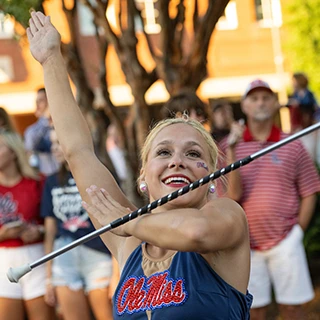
(86, 25)
(148, 11)
(149, 14)
(6, 26)
(229, 19)
(6, 69)
(268, 13)
(258, 8)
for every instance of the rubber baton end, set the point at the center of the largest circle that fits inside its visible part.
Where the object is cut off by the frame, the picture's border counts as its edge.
(14, 274)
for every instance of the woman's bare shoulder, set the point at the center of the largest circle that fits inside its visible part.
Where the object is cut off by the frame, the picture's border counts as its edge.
(130, 244)
(225, 204)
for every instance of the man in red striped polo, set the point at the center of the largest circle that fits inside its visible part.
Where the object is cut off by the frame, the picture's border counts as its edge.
(278, 194)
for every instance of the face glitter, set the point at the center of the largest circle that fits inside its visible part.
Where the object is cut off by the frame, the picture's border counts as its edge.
(202, 165)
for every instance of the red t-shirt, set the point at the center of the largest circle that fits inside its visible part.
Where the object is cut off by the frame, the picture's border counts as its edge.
(20, 202)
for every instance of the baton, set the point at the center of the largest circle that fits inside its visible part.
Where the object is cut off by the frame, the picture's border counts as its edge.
(14, 274)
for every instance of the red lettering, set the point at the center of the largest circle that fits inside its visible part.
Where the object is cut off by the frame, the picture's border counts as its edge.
(156, 283)
(136, 296)
(149, 293)
(178, 292)
(167, 293)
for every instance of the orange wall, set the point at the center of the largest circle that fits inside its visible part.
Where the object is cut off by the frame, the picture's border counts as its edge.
(244, 51)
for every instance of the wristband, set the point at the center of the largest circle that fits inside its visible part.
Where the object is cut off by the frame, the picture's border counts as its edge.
(41, 229)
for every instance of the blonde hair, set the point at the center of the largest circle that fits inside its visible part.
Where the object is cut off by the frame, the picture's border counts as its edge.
(14, 142)
(212, 147)
(6, 122)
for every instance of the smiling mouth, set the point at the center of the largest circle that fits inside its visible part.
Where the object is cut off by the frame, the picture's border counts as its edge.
(176, 181)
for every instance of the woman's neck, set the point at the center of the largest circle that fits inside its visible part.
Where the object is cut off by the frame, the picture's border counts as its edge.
(10, 176)
(156, 252)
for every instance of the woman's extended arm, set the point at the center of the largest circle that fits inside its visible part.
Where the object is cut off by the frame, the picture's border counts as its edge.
(70, 125)
(220, 225)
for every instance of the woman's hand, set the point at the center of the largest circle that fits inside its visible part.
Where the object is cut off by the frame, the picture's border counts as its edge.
(236, 132)
(10, 232)
(43, 37)
(30, 233)
(293, 102)
(105, 209)
(50, 296)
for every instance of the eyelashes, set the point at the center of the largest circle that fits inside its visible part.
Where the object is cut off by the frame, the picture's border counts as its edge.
(189, 153)
(163, 152)
(194, 154)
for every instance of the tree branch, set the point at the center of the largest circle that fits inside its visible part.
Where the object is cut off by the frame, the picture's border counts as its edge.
(178, 32)
(195, 16)
(74, 62)
(166, 34)
(205, 28)
(197, 60)
(99, 13)
(150, 47)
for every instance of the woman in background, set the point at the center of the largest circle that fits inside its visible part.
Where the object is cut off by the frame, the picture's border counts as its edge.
(302, 103)
(21, 233)
(80, 277)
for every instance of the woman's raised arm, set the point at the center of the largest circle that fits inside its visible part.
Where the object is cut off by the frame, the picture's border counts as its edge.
(70, 125)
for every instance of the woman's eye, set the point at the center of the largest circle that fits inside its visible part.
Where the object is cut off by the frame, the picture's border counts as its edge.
(193, 154)
(163, 152)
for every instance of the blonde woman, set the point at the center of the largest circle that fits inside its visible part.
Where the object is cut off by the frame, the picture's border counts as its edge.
(190, 258)
(20, 232)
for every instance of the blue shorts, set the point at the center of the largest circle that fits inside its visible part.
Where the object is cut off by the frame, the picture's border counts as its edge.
(81, 267)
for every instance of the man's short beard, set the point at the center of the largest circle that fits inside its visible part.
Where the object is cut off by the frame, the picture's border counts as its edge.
(262, 117)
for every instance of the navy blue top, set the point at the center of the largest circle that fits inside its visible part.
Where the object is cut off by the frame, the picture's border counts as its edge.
(64, 204)
(188, 289)
(307, 100)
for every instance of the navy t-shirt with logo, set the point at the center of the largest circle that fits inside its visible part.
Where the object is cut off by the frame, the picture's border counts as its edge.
(64, 203)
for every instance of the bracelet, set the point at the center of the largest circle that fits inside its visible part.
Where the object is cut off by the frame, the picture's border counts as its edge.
(48, 281)
(41, 229)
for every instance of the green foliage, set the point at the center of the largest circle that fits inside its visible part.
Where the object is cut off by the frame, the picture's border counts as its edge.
(20, 9)
(312, 234)
(302, 38)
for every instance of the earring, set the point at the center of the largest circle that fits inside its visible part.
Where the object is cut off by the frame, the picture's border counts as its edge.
(212, 188)
(143, 187)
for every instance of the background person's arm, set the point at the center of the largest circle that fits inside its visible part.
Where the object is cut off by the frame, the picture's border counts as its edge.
(307, 206)
(50, 226)
(234, 184)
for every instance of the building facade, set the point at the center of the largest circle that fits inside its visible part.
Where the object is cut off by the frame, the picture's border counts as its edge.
(245, 45)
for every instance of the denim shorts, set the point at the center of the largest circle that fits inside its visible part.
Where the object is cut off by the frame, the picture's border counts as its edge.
(81, 267)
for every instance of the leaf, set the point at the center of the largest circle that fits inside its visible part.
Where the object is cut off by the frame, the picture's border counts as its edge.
(20, 9)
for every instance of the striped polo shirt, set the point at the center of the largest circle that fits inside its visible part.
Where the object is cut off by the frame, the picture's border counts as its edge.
(272, 186)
